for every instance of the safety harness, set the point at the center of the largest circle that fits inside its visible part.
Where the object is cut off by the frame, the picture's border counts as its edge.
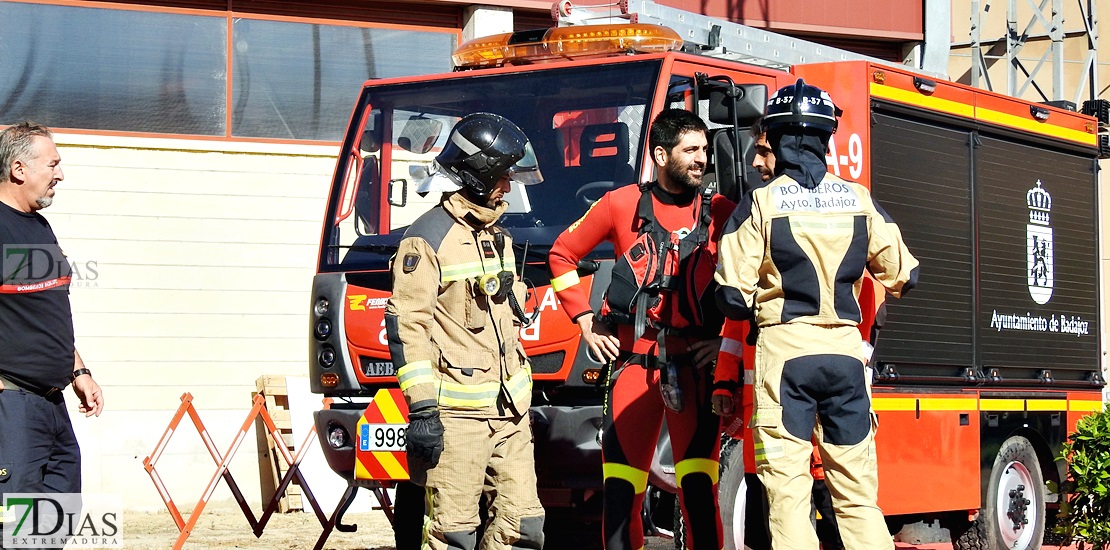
(655, 282)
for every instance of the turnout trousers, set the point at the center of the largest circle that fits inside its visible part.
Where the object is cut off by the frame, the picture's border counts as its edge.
(484, 455)
(633, 417)
(809, 381)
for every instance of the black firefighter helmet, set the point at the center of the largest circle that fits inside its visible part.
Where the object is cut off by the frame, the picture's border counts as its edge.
(800, 105)
(482, 148)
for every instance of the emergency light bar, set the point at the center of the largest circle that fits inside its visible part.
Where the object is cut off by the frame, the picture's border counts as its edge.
(541, 45)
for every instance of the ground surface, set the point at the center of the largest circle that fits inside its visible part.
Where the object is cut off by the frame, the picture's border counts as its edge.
(225, 527)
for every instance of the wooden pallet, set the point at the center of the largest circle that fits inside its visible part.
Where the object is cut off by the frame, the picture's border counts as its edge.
(271, 463)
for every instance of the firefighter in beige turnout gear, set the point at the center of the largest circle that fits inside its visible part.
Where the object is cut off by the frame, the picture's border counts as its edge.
(452, 324)
(792, 261)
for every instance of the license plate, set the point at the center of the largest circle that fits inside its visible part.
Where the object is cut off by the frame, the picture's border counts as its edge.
(382, 437)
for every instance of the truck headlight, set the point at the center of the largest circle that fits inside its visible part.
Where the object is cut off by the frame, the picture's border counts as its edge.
(337, 436)
(327, 357)
(322, 329)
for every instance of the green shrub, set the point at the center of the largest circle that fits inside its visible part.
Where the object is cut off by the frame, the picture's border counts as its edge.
(1085, 495)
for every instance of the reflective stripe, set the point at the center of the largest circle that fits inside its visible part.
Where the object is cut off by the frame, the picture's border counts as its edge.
(471, 396)
(520, 384)
(1001, 405)
(417, 372)
(689, 466)
(464, 144)
(1085, 405)
(390, 464)
(764, 453)
(913, 98)
(731, 347)
(565, 281)
(429, 505)
(459, 272)
(391, 413)
(478, 396)
(980, 113)
(821, 226)
(637, 477)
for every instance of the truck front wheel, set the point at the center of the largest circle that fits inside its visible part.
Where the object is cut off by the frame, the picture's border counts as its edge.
(742, 501)
(1013, 514)
(732, 494)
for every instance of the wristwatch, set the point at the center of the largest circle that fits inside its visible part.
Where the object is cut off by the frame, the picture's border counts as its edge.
(78, 372)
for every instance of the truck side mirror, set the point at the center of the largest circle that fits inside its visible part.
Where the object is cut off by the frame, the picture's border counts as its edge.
(371, 141)
(749, 103)
(738, 108)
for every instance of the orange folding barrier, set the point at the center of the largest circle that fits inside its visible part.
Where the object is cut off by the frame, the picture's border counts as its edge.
(185, 525)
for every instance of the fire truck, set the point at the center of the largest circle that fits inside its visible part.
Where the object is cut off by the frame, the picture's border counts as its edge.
(979, 374)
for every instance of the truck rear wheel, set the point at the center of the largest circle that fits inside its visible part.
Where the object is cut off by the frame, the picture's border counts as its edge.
(1013, 514)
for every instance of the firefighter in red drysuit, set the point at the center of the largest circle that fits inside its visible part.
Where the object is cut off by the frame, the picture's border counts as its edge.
(635, 407)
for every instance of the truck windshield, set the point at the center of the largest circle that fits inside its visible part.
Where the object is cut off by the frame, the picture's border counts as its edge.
(587, 127)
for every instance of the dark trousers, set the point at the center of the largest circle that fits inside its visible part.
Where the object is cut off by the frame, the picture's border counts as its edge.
(38, 450)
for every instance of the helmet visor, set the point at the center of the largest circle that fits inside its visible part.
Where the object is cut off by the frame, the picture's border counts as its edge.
(526, 171)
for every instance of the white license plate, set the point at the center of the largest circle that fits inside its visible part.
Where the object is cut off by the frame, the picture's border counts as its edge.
(382, 437)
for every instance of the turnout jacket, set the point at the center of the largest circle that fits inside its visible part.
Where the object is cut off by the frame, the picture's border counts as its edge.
(455, 346)
(795, 255)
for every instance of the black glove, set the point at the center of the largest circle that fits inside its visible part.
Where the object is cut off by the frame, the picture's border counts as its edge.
(424, 437)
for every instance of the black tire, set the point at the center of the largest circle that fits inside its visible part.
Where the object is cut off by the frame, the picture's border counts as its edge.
(679, 527)
(566, 528)
(1013, 514)
(966, 535)
(732, 493)
(742, 501)
(408, 516)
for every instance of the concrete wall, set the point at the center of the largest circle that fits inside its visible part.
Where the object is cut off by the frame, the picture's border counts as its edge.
(203, 255)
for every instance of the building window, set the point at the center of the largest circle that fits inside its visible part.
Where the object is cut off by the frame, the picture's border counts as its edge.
(300, 80)
(169, 72)
(102, 69)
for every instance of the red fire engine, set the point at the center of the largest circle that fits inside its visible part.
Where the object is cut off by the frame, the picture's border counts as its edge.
(979, 374)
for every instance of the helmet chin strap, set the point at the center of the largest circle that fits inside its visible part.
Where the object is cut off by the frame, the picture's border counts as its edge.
(480, 200)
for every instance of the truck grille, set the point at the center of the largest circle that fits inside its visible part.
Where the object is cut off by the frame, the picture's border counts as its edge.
(547, 363)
